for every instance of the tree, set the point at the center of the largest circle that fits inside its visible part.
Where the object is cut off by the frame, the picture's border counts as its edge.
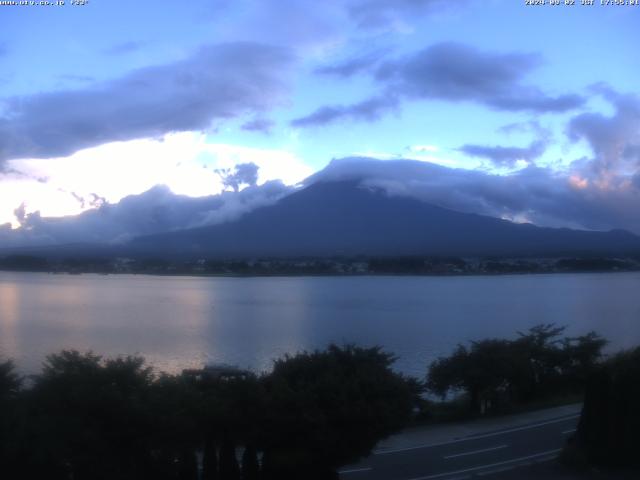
(540, 360)
(329, 408)
(10, 383)
(89, 417)
(582, 355)
(610, 420)
(229, 415)
(536, 364)
(484, 372)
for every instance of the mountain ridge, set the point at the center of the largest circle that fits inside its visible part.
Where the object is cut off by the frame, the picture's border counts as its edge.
(343, 218)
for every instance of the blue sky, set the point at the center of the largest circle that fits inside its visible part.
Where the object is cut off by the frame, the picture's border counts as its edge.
(113, 97)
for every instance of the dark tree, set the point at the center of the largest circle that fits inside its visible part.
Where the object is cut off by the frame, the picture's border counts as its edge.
(250, 465)
(329, 408)
(500, 372)
(229, 468)
(610, 421)
(210, 460)
(483, 372)
(89, 418)
(10, 383)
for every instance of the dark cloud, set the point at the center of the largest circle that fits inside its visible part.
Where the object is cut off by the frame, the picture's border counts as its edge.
(124, 48)
(93, 200)
(242, 174)
(378, 14)
(458, 72)
(367, 110)
(354, 65)
(216, 83)
(157, 210)
(20, 213)
(263, 125)
(506, 156)
(534, 194)
(455, 72)
(613, 139)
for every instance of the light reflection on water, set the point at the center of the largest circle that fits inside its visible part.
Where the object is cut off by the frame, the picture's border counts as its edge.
(180, 322)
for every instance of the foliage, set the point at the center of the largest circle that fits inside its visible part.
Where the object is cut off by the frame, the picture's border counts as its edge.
(10, 381)
(538, 363)
(610, 420)
(88, 418)
(330, 408)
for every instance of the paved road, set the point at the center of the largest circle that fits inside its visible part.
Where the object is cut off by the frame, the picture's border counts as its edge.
(475, 455)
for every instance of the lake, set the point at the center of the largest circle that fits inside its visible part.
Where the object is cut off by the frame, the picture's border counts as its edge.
(181, 322)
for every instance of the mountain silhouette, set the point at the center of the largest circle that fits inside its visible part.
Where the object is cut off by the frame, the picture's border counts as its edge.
(343, 218)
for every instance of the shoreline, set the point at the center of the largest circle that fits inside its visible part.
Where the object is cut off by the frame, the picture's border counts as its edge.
(323, 275)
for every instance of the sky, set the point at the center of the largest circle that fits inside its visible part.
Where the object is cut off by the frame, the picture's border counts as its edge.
(529, 113)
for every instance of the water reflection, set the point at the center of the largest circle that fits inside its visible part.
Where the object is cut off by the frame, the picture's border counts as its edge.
(179, 322)
(9, 340)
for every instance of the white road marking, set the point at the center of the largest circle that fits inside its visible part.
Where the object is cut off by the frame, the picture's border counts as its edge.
(481, 467)
(476, 437)
(355, 470)
(567, 432)
(475, 451)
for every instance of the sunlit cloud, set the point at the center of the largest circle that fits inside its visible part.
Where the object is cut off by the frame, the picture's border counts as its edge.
(184, 162)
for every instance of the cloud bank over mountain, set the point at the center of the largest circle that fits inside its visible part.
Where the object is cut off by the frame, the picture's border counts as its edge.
(533, 194)
(154, 211)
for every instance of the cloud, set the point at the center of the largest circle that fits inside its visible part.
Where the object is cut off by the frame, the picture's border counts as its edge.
(506, 156)
(21, 213)
(354, 65)
(613, 139)
(367, 110)
(453, 72)
(124, 48)
(154, 211)
(217, 83)
(241, 174)
(263, 125)
(502, 156)
(378, 14)
(237, 204)
(457, 72)
(302, 25)
(533, 194)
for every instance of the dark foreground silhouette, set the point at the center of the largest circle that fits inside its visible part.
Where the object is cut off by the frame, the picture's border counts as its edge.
(609, 431)
(537, 365)
(87, 418)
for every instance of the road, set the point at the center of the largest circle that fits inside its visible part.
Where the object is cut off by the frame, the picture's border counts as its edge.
(478, 454)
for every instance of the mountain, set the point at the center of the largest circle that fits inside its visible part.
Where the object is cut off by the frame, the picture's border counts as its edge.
(342, 218)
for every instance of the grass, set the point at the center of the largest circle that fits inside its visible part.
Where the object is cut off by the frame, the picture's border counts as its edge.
(457, 409)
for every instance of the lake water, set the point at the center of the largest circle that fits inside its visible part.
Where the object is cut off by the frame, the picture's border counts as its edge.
(180, 322)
